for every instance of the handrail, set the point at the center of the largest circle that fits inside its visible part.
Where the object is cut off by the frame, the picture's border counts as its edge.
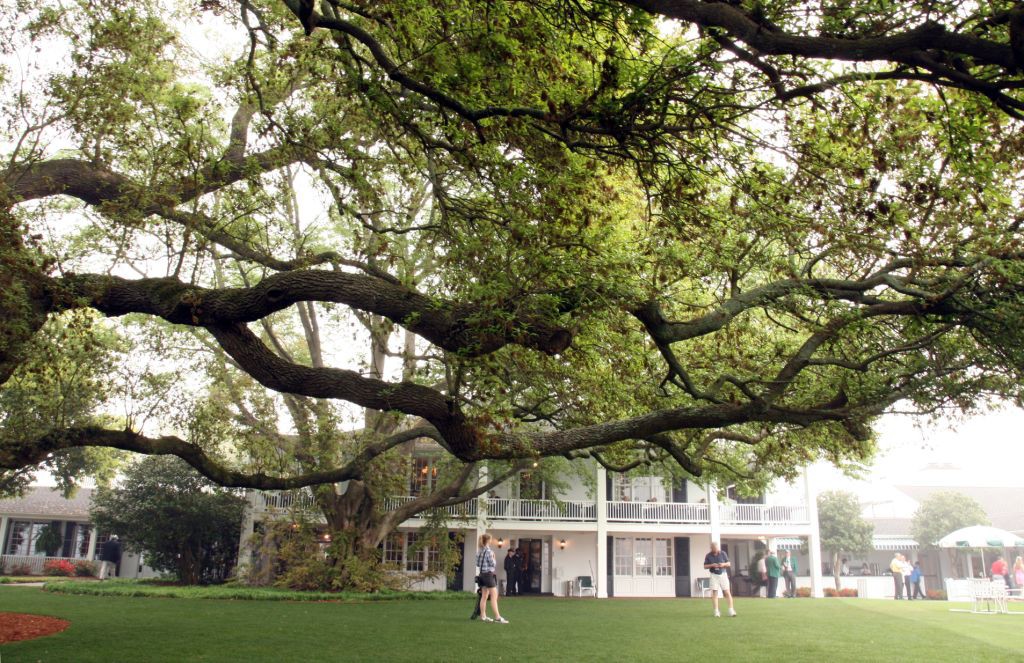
(658, 512)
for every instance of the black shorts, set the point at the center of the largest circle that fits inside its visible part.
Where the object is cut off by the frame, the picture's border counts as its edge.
(488, 580)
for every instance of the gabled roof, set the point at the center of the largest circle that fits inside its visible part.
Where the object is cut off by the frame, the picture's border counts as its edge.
(42, 501)
(1004, 505)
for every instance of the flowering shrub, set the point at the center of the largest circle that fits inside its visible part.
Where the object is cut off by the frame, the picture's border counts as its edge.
(58, 567)
(85, 568)
(936, 594)
(848, 592)
(803, 592)
(19, 570)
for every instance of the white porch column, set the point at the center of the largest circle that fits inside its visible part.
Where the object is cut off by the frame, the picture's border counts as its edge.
(814, 538)
(601, 497)
(3, 532)
(93, 534)
(245, 535)
(472, 544)
(714, 513)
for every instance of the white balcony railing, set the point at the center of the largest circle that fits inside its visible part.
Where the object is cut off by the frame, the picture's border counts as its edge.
(763, 514)
(658, 512)
(464, 510)
(284, 500)
(578, 510)
(575, 510)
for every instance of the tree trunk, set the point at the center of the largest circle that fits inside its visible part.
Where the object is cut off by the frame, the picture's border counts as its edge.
(836, 570)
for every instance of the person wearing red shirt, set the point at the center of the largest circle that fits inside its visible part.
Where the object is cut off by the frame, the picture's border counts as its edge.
(999, 570)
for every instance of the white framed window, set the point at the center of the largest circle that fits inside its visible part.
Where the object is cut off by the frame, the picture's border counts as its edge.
(663, 557)
(393, 548)
(424, 475)
(638, 489)
(643, 557)
(413, 559)
(623, 556)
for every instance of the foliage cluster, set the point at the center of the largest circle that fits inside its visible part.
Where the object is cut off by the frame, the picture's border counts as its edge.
(59, 567)
(182, 522)
(237, 592)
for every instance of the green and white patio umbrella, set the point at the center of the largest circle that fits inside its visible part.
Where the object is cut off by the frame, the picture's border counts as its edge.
(981, 536)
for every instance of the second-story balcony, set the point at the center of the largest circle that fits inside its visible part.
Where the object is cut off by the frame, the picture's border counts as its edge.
(763, 514)
(504, 510)
(568, 511)
(658, 512)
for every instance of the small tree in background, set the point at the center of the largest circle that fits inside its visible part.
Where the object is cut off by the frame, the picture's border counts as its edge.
(942, 513)
(842, 528)
(183, 523)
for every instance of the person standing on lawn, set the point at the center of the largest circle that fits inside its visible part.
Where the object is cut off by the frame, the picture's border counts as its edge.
(789, 573)
(487, 567)
(774, 569)
(896, 568)
(511, 571)
(915, 582)
(110, 557)
(717, 563)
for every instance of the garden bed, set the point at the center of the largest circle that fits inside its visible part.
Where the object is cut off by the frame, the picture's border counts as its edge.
(236, 592)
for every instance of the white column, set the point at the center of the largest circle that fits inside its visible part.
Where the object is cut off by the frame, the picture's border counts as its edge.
(814, 538)
(472, 543)
(601, 498)
(91, 555)
(245, 535)
(714, 514)
(3, 533)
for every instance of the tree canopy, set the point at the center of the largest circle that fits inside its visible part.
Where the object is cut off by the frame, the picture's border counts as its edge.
(943, 513)
(725, 235)
(181, 522)
(843, 529)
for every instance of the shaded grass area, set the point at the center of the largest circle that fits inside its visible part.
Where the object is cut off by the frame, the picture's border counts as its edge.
(542, 629)
(236, 592)
(22, 579)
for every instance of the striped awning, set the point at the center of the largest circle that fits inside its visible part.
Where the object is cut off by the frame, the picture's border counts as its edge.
(879, 541)
(890, 542)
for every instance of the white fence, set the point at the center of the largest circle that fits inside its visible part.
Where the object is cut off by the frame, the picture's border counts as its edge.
(763, 514)
(505, 509)
(658, 512)
(33, 563)
(464, 510)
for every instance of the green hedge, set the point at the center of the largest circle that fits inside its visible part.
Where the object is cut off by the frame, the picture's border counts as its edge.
(236, 592)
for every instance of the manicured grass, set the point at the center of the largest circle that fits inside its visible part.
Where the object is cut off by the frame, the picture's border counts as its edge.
(542, 629)
(238, 592)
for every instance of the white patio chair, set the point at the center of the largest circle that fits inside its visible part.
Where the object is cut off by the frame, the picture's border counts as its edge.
(585, 584)
(1000, 596)
(704, 587)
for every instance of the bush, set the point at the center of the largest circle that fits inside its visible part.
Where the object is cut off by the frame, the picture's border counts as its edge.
(936, 594)
(58, 567)
(848, 592)
(803, 592)
(19, 570)
(85, 568)
(830, 592)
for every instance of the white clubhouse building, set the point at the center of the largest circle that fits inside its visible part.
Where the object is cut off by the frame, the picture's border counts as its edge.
(631, 536)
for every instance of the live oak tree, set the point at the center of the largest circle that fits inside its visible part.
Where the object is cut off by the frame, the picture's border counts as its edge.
(724, 235)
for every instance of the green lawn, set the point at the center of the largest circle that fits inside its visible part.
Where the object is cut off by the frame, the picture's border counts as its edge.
(542, 629)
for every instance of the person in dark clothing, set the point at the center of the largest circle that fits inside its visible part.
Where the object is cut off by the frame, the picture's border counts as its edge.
(110, 557)
(511, 572)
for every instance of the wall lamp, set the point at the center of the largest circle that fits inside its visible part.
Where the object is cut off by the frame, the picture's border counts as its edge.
(561, 544)
(501, 542)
